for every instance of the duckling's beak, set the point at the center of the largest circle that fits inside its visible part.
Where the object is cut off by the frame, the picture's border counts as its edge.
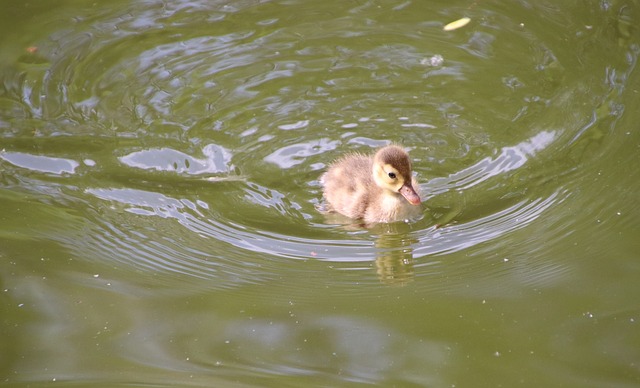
(410, 194)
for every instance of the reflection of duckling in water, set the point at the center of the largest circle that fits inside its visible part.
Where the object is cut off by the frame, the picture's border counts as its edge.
(374, 189)
(394, 253)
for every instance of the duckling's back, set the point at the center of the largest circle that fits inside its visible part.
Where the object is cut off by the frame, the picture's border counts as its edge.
(349, 185)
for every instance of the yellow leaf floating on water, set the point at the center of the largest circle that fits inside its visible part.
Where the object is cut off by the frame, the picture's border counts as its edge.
(457, 24)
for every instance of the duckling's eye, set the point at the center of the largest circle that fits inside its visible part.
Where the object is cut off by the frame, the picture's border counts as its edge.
(392, 175)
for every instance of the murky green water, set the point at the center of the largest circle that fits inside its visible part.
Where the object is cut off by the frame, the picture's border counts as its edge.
(159, 181)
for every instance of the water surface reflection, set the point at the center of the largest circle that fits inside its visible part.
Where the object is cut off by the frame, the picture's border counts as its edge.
(159, 184)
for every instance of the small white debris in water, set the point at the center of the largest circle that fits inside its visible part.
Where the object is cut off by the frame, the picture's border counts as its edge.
(434, 61)
(96, 275)
(457, 24)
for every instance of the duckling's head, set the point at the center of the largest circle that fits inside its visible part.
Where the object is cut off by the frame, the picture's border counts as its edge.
(392, 171)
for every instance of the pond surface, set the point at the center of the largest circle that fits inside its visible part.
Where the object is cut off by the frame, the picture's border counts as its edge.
(159, 166)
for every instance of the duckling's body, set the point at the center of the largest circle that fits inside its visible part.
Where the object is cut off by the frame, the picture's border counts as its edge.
(376, 188)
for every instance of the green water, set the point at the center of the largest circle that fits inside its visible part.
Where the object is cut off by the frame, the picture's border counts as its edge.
(159, 166)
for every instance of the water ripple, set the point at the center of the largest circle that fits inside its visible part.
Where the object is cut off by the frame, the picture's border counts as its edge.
(165, 159)
(40, 163)
(194, 137)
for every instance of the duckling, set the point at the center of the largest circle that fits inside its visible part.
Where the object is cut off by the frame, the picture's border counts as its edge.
(376, 188)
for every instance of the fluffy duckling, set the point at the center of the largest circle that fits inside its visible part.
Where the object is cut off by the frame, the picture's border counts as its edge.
(376, 188)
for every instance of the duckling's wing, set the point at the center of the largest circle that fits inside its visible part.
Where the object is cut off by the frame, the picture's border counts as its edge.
(348, 184)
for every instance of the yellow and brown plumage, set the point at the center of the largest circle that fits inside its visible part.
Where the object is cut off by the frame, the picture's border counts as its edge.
(376, 188)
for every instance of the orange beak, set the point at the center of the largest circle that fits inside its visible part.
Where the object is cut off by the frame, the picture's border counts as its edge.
(410, 194)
